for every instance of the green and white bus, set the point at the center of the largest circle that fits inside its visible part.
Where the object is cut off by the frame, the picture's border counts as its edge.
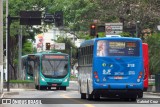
(27, 67)
(51, 70)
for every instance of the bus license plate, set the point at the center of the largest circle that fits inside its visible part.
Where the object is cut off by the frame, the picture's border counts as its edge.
(54, 84)
(118, 77)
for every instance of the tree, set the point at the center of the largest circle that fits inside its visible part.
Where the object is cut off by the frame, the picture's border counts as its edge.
(154, 53)
(28, 48)
(78, 14)
(130, 11)
(15, 6)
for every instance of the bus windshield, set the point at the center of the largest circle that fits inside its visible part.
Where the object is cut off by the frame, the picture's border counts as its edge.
(54, 68)
(117, 48)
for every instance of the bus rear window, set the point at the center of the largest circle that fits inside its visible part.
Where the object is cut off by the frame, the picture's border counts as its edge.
(117, 48)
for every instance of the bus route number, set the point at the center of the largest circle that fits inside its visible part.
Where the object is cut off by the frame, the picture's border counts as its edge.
(130, 65)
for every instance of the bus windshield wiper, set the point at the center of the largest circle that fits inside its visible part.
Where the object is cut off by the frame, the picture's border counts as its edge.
(58, 64)
(53, 69)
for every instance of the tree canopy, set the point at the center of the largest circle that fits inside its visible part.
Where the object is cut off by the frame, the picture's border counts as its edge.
(79, 14)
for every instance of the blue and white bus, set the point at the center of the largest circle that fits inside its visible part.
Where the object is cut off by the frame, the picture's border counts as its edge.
(111, 67)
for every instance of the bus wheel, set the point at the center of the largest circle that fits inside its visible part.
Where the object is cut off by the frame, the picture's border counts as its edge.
(49, 88)
(83, 96)
(63, 88)
(89, 96)
(41, 87)
(96, 97)
(57, 88)
(133, 99)
(36, 87)
(140, 95)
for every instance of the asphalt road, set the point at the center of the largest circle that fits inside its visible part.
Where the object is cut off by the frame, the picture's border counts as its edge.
(71, 98)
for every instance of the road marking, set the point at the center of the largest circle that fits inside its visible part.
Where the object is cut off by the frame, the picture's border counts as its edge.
(79, 102)
(88, 105)
(2, 95)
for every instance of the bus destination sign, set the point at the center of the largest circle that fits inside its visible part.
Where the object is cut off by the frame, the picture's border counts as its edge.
(54, 57)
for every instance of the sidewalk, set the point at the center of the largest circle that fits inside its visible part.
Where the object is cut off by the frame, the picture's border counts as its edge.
(13, 92)
(152, 93)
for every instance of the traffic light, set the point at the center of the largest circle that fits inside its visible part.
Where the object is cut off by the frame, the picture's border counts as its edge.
(93, 31)
(58, 16)
(48, 45)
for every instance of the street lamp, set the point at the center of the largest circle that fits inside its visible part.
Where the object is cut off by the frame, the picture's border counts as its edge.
(137, 25)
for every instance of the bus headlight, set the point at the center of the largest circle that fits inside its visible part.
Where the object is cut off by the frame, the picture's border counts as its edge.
(42, 79)
(28, 77)
(66, 80)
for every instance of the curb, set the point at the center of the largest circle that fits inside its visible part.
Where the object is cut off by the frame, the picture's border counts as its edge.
(9, 93)
(152, 93)
(73, 81)
(14, 92)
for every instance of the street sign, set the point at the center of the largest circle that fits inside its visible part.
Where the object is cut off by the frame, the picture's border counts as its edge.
(101, 28)
(113, 28)
(58, 16)
(58, 46)
(48, 18)
(108, 29)
(30, 17)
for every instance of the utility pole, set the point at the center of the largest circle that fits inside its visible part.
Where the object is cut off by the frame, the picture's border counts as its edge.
(137, 28)
(20, 74)
(1, 45)
(6, 38)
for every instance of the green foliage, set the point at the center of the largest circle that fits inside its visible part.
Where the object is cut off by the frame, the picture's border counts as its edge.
(27, 48)
(73, 76)
(82, 35)
(154, 53)
(101, 34)
(125, 34)
(86, 37)
(151, 84)
(78, 14)
(21, 81)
